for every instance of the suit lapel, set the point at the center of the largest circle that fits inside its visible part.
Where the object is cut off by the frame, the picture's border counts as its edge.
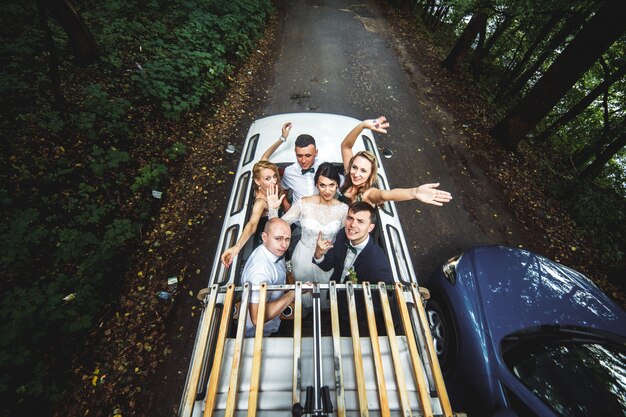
(340, 254)
(362, 256)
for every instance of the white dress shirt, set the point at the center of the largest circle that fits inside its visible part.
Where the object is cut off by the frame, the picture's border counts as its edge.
(262, 266)
(351, 257)
(301, 185)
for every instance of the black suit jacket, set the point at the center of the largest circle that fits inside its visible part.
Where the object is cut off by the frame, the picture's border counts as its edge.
(371, 265)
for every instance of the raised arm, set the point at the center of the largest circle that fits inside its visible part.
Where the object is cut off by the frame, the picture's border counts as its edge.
(426, 193)
(379, 125)
(282, 139)
(248, 230)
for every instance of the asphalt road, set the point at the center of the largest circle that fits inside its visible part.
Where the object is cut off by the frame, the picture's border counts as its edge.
(338, 57)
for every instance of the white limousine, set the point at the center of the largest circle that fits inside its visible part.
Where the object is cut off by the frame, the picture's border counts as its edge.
(314, 370)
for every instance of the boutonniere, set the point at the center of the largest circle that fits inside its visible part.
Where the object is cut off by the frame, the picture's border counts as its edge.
(352, 275)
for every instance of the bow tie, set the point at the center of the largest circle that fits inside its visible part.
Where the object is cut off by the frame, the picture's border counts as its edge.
(280, 258)
(351, 248)
(311, 170)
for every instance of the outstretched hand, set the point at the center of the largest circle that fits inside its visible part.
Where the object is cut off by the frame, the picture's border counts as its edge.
(379, 125)
(429, 194)
(323, 246)
(228, 256)
(273, 200)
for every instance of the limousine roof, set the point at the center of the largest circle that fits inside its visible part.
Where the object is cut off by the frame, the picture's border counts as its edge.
(327, 129)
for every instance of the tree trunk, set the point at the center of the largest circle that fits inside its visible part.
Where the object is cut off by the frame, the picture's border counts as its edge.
(441, 14)
(521, 64)
(426, 9)
(582, 104)
(53, 63)
(428, 17)
(596, 147)
(516, 53)
(595, 168)
(482, 34)
(83, 43)
(594, 38)
(463, 44)
(476, 63)
(572, 24)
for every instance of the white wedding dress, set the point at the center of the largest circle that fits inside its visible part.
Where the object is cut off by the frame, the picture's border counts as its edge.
(313, 218)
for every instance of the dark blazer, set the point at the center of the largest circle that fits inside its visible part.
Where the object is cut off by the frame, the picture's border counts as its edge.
(371, 265)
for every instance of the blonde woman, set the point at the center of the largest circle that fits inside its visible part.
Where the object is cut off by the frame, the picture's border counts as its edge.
(361, 174)
(266, 178)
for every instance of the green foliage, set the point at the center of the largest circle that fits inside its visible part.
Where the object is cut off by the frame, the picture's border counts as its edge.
(182, 68)
(72, 198)
(603, 224)
(175, 151)
(102, 115)
(19, 235)
(150, 176)
(107, 161)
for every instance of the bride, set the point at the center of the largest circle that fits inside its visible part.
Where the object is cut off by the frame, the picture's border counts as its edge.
(321, 213)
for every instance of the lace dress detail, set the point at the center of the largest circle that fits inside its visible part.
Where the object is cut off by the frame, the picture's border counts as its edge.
(313, 218)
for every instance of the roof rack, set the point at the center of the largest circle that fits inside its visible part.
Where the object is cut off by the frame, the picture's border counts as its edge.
(421, 392)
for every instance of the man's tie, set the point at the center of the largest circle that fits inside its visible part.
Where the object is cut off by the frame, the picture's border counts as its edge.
(351, 248)
(280, 258)
(311, 170)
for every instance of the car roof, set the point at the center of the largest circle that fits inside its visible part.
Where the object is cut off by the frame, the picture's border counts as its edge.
(519, 289)
(328, 130)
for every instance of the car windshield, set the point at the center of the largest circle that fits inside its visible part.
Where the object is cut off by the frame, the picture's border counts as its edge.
(584, 378)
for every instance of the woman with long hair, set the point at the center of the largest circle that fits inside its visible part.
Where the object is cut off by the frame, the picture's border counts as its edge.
(266, 178)
(361, 174)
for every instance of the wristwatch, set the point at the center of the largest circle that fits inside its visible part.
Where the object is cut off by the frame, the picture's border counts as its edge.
(282, 138)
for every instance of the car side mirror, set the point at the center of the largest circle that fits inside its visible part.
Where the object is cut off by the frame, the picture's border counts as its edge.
(230, 148)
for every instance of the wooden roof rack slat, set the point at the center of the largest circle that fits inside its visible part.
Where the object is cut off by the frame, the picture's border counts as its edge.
(258, 350)
(219, 351)
(198, 357)
(440, 386)
(234, 370)
(334, 318)
(378, 363)
(418, 371)
(395, 353)
(356, 350)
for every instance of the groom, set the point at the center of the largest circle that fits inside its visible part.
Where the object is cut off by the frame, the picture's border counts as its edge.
(355, 249)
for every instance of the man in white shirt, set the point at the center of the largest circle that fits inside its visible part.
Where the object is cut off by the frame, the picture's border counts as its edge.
(300, 177)
(266, 264)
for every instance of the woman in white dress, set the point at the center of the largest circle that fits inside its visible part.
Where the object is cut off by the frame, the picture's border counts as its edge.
(318, 213)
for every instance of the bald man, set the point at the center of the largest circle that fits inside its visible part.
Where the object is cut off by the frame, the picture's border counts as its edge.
(267, 265)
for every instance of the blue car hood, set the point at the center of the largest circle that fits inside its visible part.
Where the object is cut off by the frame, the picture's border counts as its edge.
(520, 290)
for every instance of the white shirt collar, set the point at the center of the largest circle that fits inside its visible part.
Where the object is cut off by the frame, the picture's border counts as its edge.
(269, 254)
(361, 245)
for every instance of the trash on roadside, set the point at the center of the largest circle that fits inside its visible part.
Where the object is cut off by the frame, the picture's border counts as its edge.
(172, 284)
(164, 295)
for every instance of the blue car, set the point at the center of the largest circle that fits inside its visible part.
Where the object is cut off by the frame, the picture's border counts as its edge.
(520, 335)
